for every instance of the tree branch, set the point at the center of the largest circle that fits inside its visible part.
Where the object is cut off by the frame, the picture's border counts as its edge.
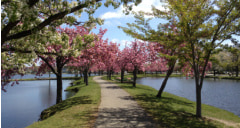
(49, 65)
(5, 31)
(26, 51)
(46, 22)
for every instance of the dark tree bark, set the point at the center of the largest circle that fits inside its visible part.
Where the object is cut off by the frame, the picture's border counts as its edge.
(214, 72)
(109, 74)
(80, 74)
(134, 76)
(59, 88)
(122, 75)
(237, 70)
(164, 83)
(59, 80)
(86, 76)
(199, 101)
(89, 73)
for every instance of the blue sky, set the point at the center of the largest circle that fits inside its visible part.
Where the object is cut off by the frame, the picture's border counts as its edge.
(115, 17)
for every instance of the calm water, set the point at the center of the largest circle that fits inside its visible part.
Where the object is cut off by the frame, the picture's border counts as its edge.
(28, 76)
(224, 94)
(23, 103)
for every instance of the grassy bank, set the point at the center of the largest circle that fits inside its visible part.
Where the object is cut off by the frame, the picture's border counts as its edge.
(77, 111)
(176, 75)
(224, 77)
(150, 75)
(174, 111)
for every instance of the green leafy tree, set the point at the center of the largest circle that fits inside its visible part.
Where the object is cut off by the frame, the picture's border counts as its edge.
(203, 25)
(234, 51)
(166, 36)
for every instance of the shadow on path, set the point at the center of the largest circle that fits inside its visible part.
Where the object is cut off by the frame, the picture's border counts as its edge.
(131, 117)
(119, 110)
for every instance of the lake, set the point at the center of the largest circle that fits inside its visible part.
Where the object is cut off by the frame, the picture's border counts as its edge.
(221, 93)
(23, 103)
(31, 76)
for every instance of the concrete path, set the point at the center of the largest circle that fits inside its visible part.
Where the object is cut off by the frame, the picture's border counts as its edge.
(119, 110)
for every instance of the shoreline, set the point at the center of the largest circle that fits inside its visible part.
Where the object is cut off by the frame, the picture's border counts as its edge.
(52, 78)
(173, 104)
(83, 104)
(129, 75)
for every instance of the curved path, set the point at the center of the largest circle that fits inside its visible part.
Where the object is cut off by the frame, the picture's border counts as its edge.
(119, 110)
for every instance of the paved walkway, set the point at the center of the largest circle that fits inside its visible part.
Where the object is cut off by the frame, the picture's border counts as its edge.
(118, 109)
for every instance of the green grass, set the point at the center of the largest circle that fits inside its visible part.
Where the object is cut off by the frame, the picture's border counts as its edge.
(77, 111)
(175, 75)
(150, 75)
(224, 77)
(175, 111)
(117, 77)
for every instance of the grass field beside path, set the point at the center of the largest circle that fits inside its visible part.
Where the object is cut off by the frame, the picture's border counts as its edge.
(175, 111)
(176, 75)
(78, 111)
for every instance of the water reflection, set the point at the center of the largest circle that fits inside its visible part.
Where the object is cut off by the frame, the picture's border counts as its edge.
(219, 93)
(47, 93)
(23, 103)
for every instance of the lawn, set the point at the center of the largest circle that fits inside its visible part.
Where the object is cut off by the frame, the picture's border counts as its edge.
(175, 111)
(77, 111)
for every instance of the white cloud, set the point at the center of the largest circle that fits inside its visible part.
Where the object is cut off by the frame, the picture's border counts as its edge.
(122, 43)
(125, 43)
(112, 23)
(145, 5)
(115, 40)
(117, 14)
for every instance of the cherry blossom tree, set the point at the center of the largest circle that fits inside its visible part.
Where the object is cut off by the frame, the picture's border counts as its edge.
(27, 25)
(137, 56)
(110, 52)
(63, 47)
(165, 42)
(122, 61)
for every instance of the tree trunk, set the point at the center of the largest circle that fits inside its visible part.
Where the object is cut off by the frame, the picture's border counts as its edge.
(198, 101)
(76, 75)
(80, 74)
(237, 70)
(86, 76)
(214, 72)
(122, 75)
(134, 76)
(110, 75)
(164, 83)
(59, 88)
(86, 80)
